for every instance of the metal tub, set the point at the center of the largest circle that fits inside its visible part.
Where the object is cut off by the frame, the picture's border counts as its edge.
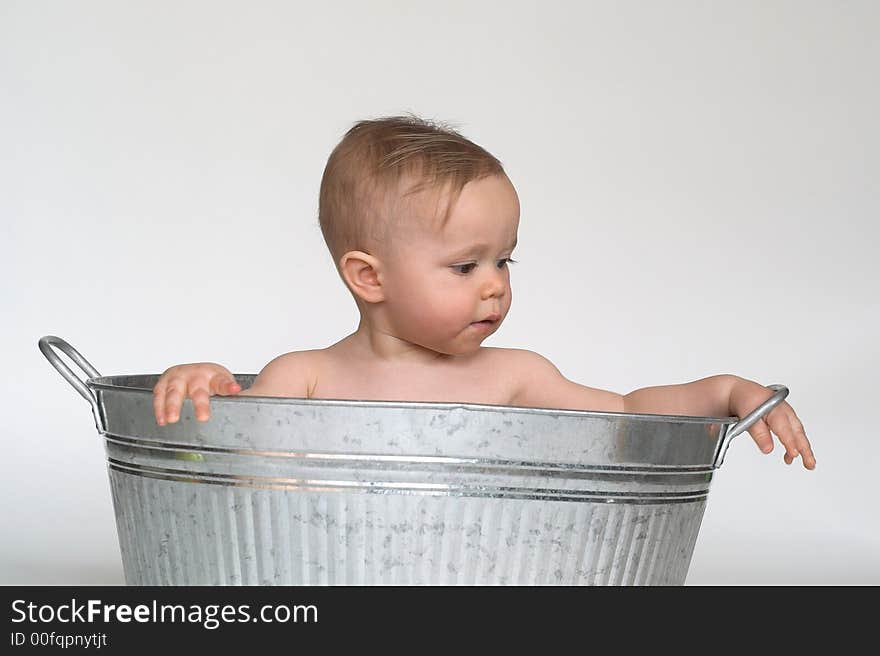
(289, 491)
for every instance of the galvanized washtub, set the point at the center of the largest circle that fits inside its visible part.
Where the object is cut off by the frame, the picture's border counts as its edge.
(320, 492)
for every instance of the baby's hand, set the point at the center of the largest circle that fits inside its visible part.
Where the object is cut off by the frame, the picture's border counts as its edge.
(195, 381)
(745, 396)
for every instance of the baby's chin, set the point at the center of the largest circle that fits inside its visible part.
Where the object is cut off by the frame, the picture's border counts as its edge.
(462, 354)
(456, 350)
(467, 343)
(471, 348)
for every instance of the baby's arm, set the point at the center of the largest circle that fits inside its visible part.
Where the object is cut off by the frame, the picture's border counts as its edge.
(728, 395)
(286, 375)
(539, 384)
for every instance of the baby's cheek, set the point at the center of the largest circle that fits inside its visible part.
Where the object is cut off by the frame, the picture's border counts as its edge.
(446, 315)
(442, 312)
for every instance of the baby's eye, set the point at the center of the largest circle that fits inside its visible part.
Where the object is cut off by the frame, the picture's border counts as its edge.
(465, 269)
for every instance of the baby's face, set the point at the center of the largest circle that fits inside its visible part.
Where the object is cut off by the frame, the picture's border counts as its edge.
(439, 283)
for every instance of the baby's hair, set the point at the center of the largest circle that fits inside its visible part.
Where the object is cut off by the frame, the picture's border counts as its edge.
(363, 189)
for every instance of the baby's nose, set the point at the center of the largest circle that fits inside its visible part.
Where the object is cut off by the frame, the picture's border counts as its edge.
(495, 285)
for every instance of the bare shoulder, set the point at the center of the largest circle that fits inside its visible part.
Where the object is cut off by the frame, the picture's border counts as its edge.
(512, 365)
(514, 361)
(493, 356)
(538, 383)
(290, 374)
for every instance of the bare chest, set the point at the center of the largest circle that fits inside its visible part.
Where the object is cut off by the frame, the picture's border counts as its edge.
(483, 381)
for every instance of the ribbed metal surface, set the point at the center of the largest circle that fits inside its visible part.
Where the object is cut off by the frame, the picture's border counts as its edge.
(177, 533)
(322, 492)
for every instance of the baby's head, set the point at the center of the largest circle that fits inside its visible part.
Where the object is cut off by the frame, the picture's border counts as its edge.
(420, 222)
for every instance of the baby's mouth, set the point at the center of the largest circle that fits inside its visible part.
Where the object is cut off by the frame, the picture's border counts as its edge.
(491, 319)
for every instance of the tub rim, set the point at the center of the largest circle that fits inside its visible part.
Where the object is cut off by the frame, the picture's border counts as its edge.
(101, 383)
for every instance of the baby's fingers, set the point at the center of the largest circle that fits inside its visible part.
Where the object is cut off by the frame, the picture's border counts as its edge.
(167, 401)
(801, 441)
(200, 400)
(201, 391)
(224, 385)
(791, 433)
(761, 434)
(159, 401)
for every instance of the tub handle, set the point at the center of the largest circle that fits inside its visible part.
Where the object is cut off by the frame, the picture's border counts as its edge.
(46, 345)
(746, 422)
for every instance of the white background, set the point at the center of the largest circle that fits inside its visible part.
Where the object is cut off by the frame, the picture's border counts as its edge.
(699, 190)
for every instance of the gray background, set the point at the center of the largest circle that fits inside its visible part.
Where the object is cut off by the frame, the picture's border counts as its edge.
(699, 195)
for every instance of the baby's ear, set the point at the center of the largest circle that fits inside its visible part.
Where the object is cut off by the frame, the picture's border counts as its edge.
(362, 274)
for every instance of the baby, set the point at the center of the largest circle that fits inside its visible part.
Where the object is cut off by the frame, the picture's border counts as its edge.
(421, 224)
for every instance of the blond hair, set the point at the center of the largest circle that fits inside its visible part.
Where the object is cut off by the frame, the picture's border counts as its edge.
(363, 190)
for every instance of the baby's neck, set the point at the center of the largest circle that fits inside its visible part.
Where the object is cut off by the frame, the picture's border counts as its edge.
(376, 347)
